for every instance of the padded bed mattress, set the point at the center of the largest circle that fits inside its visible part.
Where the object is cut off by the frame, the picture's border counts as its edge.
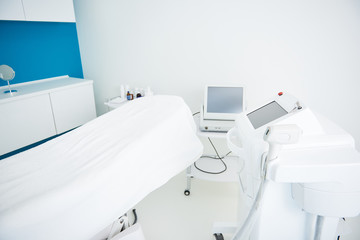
(75, 185)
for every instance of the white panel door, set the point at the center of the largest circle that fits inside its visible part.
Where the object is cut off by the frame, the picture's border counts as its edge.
(24, 122)
(73, 107)
(11, 10)
(49, 10)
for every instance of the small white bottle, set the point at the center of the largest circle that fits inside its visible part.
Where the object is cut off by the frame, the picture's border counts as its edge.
(122, 92)
(148, 92)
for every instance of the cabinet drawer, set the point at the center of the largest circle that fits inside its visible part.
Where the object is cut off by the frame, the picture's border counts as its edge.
(25, 121)
(73, 107)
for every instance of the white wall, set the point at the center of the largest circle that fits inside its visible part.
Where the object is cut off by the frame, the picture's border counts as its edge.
(308, 48)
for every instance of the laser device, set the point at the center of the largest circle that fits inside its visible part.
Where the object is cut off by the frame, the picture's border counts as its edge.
(311, 178)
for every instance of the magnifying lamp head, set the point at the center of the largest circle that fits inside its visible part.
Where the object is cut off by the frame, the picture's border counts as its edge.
(6, 73)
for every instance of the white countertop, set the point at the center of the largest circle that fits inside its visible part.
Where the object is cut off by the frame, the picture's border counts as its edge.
(37, 87)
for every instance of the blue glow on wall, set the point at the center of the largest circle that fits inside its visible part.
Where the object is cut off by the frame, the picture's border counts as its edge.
(38, 50)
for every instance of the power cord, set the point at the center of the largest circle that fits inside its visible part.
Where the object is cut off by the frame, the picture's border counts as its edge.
(338, 238)
(135, 216)
(217, 157)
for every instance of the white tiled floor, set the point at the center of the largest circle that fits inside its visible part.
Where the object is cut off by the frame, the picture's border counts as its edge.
(167, 214)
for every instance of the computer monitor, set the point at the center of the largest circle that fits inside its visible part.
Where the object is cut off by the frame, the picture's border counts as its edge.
(223, 102)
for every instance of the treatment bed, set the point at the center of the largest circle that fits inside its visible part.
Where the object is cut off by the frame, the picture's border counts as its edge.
(75, 185)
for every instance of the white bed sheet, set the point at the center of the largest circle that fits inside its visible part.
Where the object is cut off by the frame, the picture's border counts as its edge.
(73, 186)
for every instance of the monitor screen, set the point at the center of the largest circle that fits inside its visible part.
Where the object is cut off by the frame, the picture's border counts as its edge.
(224, 100)
(266, 114)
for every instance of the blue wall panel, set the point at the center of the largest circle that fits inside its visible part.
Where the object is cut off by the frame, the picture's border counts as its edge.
(37, 50)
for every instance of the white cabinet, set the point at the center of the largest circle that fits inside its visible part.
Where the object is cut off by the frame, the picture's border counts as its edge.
(49, 10)
(44, 108)
(11, 10)
(25, 121)
(37, 10)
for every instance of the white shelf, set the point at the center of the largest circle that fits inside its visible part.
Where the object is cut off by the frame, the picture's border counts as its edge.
(39, 87)
(115, 102)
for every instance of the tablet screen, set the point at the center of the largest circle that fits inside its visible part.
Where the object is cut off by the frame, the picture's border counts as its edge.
(266, 114)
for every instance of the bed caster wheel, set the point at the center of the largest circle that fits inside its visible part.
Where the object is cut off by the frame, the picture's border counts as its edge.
(187, 192)
(218, 236)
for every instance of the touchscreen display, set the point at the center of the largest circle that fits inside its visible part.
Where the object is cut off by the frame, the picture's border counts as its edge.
(225, 99)
(266, 114)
